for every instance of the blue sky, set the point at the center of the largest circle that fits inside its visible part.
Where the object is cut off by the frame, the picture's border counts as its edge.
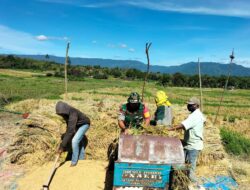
(180, 30)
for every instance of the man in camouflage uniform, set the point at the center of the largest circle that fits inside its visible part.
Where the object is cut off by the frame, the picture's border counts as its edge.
(133, 113)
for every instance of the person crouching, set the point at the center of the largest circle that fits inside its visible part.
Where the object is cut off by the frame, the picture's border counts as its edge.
(77, 125)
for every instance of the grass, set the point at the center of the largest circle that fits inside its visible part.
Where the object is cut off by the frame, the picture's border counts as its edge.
(235, 143)
(16, 73)
(18, 87)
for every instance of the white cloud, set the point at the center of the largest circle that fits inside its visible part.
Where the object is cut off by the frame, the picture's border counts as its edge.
(243, 61)
(46, 38)
(132, 50)
(238, 8)
(42, 38)
(65, 38)
(86, 3)
(98, 5)
(21, 42)
(123, 45)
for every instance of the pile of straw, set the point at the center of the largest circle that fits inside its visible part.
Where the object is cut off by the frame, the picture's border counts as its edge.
(40, 133)
(38, 137)
(213, 150)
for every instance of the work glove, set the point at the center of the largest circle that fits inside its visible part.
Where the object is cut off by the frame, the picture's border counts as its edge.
(59, 151)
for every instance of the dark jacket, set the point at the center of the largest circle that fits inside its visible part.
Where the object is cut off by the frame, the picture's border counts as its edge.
(74, 119)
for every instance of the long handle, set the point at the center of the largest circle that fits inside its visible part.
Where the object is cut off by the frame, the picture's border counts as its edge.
(199, 68)
(46, 185)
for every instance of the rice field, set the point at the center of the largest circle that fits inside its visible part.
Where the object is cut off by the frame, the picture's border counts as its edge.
(40, 93)
(15, 87)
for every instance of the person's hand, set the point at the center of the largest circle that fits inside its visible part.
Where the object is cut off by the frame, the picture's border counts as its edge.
(126, 131)
(177, 127)
(171, 129)
(59, 151)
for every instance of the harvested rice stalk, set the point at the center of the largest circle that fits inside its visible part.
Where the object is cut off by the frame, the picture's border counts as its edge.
(103, 111)
(180, 180)
(155, 130)
(33, 141)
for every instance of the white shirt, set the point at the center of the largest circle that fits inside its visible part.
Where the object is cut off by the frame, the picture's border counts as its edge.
(193, 136)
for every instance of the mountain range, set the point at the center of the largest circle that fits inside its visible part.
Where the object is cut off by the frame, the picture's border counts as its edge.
(191, 68)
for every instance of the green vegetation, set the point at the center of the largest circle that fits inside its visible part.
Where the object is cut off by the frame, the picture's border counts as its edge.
(15, 88)
(78, 73)
(45, 80)
(18, 88)
(235, 143)
(231, 119)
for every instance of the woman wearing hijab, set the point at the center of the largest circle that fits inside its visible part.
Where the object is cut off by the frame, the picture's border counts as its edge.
(163, 113)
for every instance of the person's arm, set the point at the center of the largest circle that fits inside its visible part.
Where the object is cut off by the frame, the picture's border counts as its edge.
(177, 127)
(121, 124)
(146, 116)
(123, 127)
(121, 121)
(70, 130)
(147, 121)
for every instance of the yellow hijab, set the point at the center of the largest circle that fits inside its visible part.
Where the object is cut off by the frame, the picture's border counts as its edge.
(161, 99)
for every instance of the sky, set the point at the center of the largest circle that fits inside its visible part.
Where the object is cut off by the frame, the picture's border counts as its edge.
(180, 30)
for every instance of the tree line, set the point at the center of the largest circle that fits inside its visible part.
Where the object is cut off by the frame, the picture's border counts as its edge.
(97, 72)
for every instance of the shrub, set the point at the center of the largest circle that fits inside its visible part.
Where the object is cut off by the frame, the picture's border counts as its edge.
(225, 118)
(100, 76)
(54, 97)
(77, 98)
(59, 74)
(231, 119)
(74, 78)
(49, 74)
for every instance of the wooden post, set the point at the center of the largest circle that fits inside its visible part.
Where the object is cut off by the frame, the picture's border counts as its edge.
(225, 87)
(199, 66)
(146, 74)
(65, 73)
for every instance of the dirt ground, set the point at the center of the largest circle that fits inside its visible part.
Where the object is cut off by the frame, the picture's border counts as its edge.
(9, 173)
(88, 174)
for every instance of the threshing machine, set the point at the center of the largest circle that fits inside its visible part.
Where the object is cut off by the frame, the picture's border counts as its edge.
(145, 161)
